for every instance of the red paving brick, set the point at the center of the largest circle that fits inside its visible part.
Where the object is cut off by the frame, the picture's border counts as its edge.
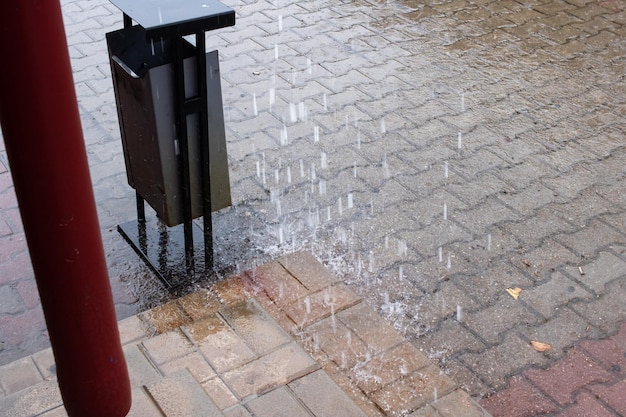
(613, 395)
(519, 399)
(567, 376)
(586, 406)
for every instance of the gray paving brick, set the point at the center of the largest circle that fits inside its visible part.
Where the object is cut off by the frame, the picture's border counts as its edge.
(270, 371)
(32, 401)
(598, 273)
(180, 394)
(19, 375)
(323, 397)
(280, 402)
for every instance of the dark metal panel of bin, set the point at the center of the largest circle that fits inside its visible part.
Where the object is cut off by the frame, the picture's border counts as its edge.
(143, 79)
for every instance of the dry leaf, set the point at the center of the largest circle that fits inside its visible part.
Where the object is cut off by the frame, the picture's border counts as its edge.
(514, 292)
(539, 346)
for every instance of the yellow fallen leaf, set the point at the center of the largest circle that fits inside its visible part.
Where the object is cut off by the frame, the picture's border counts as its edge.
(514, 292)
(539, 346)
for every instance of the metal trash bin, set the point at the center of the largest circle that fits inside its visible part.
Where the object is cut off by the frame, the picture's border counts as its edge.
(143, 80)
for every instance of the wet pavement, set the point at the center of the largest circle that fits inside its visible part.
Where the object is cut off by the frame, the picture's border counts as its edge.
(286, 338)
(432, 154)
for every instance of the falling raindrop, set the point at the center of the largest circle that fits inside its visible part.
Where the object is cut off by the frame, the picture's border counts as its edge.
(400, 273)
(276, 51)
(313, 173)
(358, 139)
(371, 262)
(445, 211)
(324, 161)
(355, 173)
(489, 241)
(445, 169)
(280, 23)
(460, 140)
(440, 253)
(301, 168)
(316, 133)
(307, 303)
(293, 113)
(289, 175)
(322, 186)
(340, 206)
(449, 263)
(281, 236)
(302, 111)
(308, 65)
(254, 105)
(152, 45)
(284, 139)
(459, 313)
(325, 103)
(328, 218)
(383, 128)
(160, 15)
(276, 176)
(258, 168)
(386, 242)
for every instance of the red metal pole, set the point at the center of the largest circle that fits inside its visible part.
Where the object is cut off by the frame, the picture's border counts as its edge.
(44, 142)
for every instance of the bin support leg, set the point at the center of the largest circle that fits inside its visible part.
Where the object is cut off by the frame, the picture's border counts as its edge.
(204, 146)
(44, 142)
(181, 133)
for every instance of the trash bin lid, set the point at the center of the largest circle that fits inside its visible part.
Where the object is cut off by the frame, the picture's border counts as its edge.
(174, 18)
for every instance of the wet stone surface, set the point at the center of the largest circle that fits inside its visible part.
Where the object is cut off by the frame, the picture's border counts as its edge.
(431, 155)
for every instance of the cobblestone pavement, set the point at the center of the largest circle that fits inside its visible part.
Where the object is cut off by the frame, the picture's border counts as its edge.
(433, 153)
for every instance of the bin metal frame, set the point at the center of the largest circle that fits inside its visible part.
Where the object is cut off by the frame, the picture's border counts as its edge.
(173, 20)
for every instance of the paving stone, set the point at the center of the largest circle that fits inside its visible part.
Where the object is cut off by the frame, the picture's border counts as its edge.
(193, 362)
(19, 375)
(257, 328)
(529, 401)
(308, 270)
(450, 338)
(279, 284)
(142, 405)
(458, 403)
(585, 242)
(199, 304)
(180, 394)
(561, 380)
(413, 391)
(270, 371)
(505, 314)
(33, 401)
(606, 268)
(132, 329)
(607, 310)
(219, 393)
(561, 331)
(44, 360)
(140, 370)
(613, 394)
(497, 364)
(219, 343)
(370, 327)
(609, 351)
(557, 291)
(166, 317)
(237, 411)
(10, 301)
(321, 304)
(388, 367)
(167, 346)
(586, 405)
(279, 402)
(337, 341)
(323, 397)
